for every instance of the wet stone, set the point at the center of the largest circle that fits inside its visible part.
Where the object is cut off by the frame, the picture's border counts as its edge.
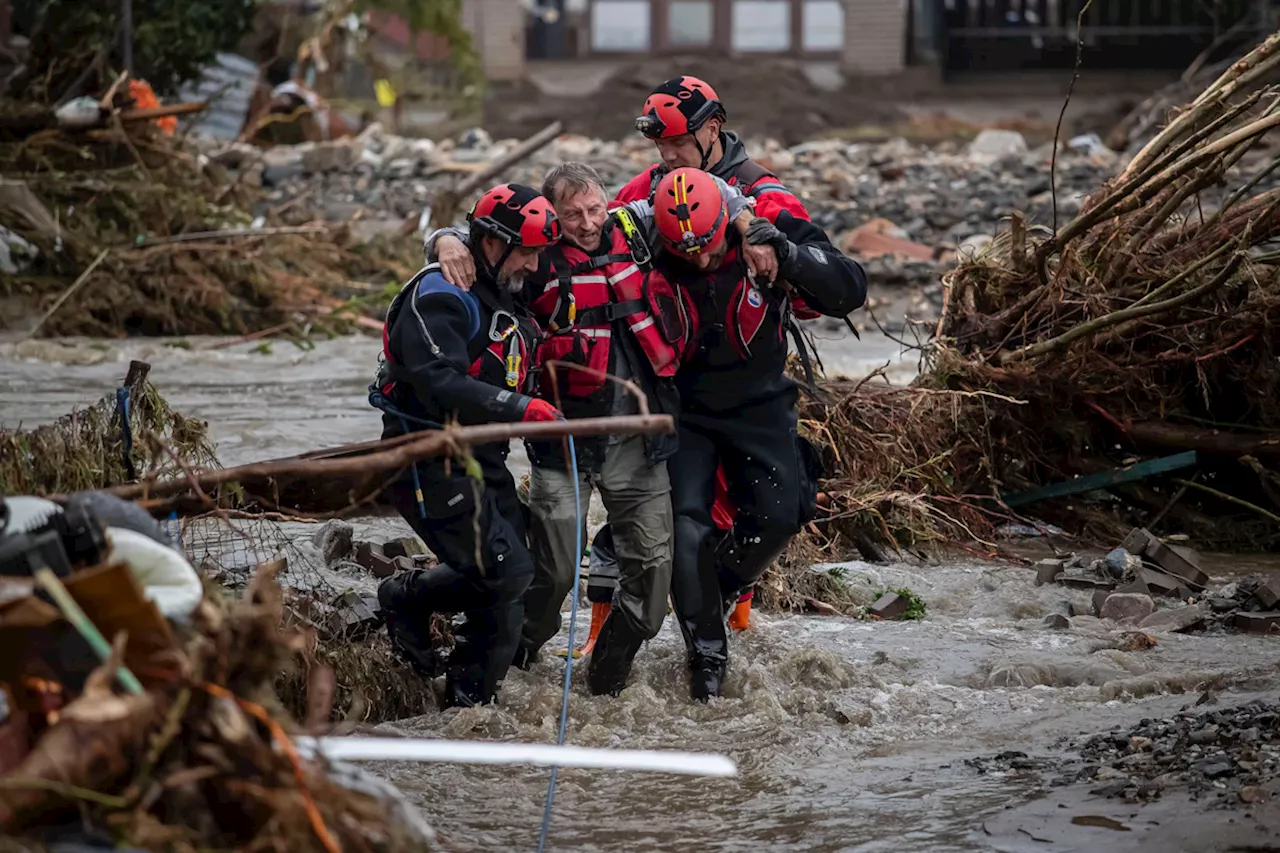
(1217, 769)
(1176, 620)
(1209, 734)
(890, 606)
(1127, 607)
(335, 541)
(1057, 622)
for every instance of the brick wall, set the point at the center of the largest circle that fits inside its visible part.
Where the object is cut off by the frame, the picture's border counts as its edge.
(875, 37)
(498, 30)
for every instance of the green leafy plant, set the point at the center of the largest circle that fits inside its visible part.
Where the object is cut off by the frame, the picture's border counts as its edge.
(172, 42)
(916, 608)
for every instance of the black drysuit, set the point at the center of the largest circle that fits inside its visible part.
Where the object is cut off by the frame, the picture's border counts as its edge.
(738, 407)
(465, 355)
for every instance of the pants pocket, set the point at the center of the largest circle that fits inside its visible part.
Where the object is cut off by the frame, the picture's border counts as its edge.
(448, 497)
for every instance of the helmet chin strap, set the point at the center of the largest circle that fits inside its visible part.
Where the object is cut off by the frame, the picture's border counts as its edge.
(707, 152)
(492, 270)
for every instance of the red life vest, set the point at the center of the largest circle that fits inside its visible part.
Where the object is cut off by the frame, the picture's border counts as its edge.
(579, 311)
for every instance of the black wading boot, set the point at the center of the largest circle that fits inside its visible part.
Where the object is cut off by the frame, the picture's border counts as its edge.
(612, 656)
(408, 628)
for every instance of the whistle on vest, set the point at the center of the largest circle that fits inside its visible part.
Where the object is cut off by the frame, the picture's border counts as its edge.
(513, 370)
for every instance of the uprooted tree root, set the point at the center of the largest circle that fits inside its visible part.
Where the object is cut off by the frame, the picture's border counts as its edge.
(1144, 327)
(203, 759)
(86, 449)
(140, 196)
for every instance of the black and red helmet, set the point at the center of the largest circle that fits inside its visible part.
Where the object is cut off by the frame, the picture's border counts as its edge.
(679, 106)
(517, 215)
(689, 211)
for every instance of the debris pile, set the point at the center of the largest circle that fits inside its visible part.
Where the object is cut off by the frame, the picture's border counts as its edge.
(125, 435)
(193, 752)
(1087, 370)
(125, 230)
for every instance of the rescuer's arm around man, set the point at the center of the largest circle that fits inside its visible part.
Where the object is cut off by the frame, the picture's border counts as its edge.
(431, 336)
(827, 280)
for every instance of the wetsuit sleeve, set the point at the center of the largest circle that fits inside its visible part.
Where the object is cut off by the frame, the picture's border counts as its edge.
(429, 244)
(431, 335)
(828, 281)
(772, 199)
(636, 189)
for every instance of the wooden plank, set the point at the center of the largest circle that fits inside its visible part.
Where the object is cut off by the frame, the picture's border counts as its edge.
(1128, 474)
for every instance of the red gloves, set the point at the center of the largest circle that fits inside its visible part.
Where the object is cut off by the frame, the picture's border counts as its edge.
(541, 410)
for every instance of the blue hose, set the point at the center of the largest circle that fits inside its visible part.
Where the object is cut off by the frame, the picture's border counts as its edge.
(568, 666)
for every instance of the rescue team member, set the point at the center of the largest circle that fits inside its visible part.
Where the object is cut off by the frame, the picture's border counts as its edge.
(467, 355)
(601, 309)
(685, 119)
(736, 403)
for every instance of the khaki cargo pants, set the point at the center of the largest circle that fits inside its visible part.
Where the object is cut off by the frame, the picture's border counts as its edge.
(637, 497)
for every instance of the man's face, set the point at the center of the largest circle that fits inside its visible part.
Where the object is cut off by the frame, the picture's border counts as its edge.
(582, 214)
(708, 259)
(681, 152)
(522, 261)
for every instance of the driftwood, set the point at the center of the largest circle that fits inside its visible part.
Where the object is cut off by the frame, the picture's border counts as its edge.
(346, 480)
(444, 209)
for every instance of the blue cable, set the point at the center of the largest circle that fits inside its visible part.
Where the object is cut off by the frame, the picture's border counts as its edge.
(568, 667)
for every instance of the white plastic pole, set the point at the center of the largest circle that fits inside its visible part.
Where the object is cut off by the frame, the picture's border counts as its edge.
(545, 755)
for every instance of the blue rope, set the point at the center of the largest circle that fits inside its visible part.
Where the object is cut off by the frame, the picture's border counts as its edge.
(568, 666)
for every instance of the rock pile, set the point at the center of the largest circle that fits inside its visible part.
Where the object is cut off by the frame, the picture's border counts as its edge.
(1129, 579)
(932, 201)
(1229, 756)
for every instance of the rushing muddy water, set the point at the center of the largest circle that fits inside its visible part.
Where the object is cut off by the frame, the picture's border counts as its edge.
(848, 735)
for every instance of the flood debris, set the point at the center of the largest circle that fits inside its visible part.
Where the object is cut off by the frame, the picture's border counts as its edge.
(198, 756)
(129, 433)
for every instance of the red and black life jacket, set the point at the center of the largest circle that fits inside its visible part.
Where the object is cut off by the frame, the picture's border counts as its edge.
(581, 308)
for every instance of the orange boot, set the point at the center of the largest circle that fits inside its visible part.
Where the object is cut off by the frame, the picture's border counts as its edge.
(740, 618)
(599, 613)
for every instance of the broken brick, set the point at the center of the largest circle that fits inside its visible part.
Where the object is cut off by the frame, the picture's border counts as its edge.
(890, 606)
(1177, 620)
(1268, 594)
(1137, 540)
(355, 616)
(407, 546)
(1182, 562)
(1047, 571)
(1160, 583)
(1259, 623)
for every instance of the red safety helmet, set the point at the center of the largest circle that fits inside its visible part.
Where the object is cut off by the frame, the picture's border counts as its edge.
(679, 106)
(689, 211)
(517, 215)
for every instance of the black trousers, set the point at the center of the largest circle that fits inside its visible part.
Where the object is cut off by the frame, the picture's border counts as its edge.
(769, 485)
(484, 569)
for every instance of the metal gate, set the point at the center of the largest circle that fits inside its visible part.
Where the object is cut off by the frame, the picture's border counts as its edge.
(992, 35)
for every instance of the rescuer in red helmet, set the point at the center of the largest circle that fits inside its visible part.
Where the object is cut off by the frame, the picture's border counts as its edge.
(685, 119)
(450, 354)
(737, 406)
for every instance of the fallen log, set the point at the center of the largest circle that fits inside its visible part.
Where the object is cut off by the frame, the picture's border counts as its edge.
(444, 208)
(345, 480)
(1204, 440)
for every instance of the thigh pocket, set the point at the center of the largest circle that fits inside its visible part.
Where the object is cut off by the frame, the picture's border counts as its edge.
(449, 497)
(811, 470)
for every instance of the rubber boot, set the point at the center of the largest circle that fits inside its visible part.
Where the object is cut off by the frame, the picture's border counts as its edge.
(409, 632)
(615, 650)
(599, 616)
(525, 658)
(706, 679)
(740, 617)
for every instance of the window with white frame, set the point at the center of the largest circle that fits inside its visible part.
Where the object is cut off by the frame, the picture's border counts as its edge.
(620, 25)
